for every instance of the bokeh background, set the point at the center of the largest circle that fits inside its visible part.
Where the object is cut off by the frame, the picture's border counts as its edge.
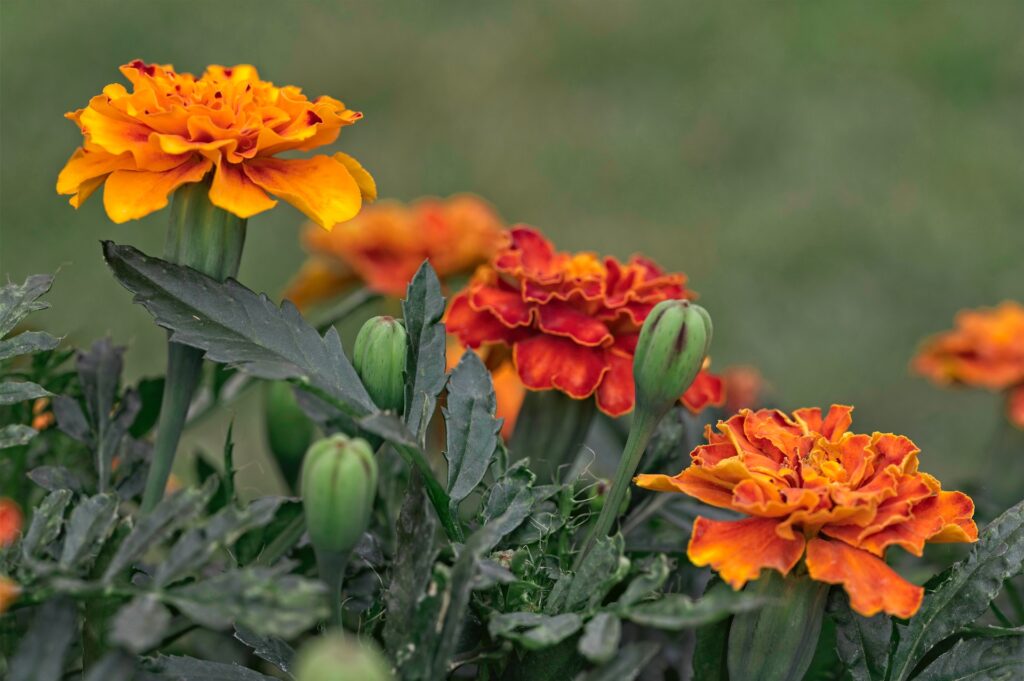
(837, 178)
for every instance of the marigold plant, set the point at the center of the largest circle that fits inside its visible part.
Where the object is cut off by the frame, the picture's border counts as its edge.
(571, 320)
(173, 129)
(814, 490)
(388, 242)
(984, 350)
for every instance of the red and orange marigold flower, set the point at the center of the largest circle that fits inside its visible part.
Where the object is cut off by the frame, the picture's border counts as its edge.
(571, 320)
(387, 243)
(984, 350)
(816, 491)
(173, 128)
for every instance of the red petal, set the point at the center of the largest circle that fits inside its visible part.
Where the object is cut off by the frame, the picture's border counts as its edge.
(474, 328)
(506, 305)
(546, 362)
(706, 389)
(616, 394)
(562, 319)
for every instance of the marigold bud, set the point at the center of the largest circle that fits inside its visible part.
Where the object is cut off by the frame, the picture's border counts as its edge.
(670, 351)
(289, 430)
(339, 657)
(379, 359)
(339, 482)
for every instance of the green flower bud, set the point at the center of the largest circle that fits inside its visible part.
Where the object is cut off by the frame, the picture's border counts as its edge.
(289, 430)
(379, 359)
(339, 482)
(340, 657)
(673, 343)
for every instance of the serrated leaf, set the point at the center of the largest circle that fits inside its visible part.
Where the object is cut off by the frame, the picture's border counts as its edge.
(47, 521)
(978, 659)
(534, 631)
(627, 665)
(472, 430)
(168, 516)
(269, 648)
(18, 300)
(674, 611)
(40, 655)
(28, 342)
(115, 665)
(422, 311)
(966, 593)
(262, 599)
(600, 640)
(140, 626)
(12, 392)
(15, 435)
(235, 326)
(88, 528)
(181, 668)
(862, 643)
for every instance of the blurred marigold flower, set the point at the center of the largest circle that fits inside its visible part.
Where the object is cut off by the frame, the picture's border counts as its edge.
(9, 592)
(10, 521)
(813, 488)
(984, 350)
(174, 128)
(571, 320)
(42, 415)
(744, 387)
(387, 243)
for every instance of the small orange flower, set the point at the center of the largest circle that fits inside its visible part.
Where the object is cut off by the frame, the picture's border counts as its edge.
(10, 521)
(985, 350)
(571, 320)
(9, 592)
(816, 491)
(42, 416)
(174, 128)
(387, 243)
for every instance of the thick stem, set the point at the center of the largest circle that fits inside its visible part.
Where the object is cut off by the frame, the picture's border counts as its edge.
(550, 429)
(210, 240)
(331, 567)
(640, 434)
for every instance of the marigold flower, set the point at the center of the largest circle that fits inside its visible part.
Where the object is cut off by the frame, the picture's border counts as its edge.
(571, 320)
(174, 128)
(816, 491)
(984, 350)
(744, 387)
(10, 521)
(387, 243)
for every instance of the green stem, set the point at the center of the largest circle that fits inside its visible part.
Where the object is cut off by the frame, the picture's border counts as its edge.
(640, 434)
(210, 240)
(331, 567)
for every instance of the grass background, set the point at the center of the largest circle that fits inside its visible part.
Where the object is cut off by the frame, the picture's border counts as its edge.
(836, 178)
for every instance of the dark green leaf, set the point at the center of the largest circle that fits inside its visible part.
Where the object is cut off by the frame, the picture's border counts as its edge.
(677, 611)
(600, 640)
(12, 392)
(269, 648)
(650, 576)
(237, 327)
(47, 521)
(389, 427)
(272, 541)
(861, 642)
(140, 626)
(71, 419)
(182, 668)
(99, 371)
(423, 309)
(472, 430)
(978, 659)
(490, 573)
(627, 665)
(168, 516)
(151, 393)
(40, 656)
(602, 569)
(18, 300)
(53, 478)
(27, 342)
(709, 654)
(88, 528)
(966, 593)
(116, 665)
(16, 434)
(534, 631)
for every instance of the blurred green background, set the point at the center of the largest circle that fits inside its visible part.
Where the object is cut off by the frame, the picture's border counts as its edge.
(837, 178)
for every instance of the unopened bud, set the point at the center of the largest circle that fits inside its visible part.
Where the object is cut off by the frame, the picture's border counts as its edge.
(670, 351)
(340, 657)
(289, 430)
(379, 359)
(339, 482)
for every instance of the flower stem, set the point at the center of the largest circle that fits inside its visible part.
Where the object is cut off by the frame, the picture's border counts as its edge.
(640, 434)
(331, 567)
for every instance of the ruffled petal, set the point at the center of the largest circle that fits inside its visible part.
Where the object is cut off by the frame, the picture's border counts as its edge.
(546, 362)
(474, 328)
(706, 389)
(562, 319)
(86, 170)
(692, 481)
(321, 187)
(872, 585)
(132, 194)
(616, 394)
(506, 305)
(233, 191)
(739, 549)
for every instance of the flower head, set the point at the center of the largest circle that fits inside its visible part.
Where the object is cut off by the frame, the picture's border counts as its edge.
(571, 320)
(10, 521)
(985, 350)
(388, 242)
(173, 128)
(814, 490)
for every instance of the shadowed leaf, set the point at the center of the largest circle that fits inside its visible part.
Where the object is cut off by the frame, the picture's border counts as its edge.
(16, 434)
(26, 343)
(472, 430)
(140, 625)
(19, 300)
(861, 642)
(422, 311)
(182, 668)
(978, 659)
(534, 631)
(269, 648)
(627, 665)
(600, 640)
(40, 655)
(12, 392)
(88, 528)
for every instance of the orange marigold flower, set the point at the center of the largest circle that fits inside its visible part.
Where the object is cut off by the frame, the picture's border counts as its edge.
(984, 350)
(174, 128)
(571, 320)
(387, 243)
(9, 592)
(744, 387)
(814, 490)
(10, 521)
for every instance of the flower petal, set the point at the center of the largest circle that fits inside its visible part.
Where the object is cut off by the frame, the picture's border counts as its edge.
(1015, 406)
(321, 187)
(616, 394)
(367, 185)
(86, 170)
(739, 549)
(131, 194)
(317, 280)
(233, 191)
(473, 327)
(546, 362)
(872, 585)
(706, 389)
(693, 481)
(562, 319)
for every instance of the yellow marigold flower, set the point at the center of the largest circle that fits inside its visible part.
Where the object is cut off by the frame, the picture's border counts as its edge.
(387, 243)
(173, 128)
(817, 492)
